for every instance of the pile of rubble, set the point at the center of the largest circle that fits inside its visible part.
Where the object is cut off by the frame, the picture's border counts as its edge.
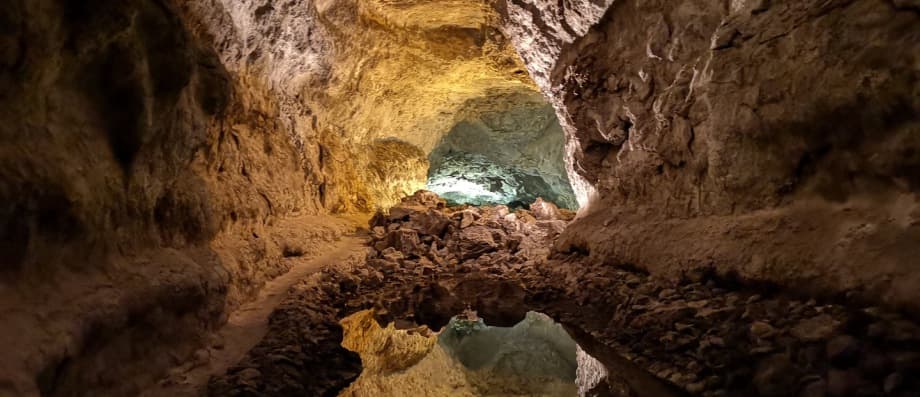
(700, 335)
(414, 253)
(422, 235)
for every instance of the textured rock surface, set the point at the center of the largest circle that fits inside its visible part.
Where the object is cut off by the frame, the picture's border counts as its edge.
(161, 158)
(384, 350)
(510, 154)
(775, 140)
(145, 191)
(518, 361)
(351, 74)
(700, 335)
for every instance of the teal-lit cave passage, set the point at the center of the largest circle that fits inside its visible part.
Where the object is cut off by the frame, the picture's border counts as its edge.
(510, 155)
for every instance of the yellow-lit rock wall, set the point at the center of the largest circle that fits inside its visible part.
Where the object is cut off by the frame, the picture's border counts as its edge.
(351, 74)
(410, 70)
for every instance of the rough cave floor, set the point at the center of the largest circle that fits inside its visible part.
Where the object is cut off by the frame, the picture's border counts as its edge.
(247, 325)
(700, 335)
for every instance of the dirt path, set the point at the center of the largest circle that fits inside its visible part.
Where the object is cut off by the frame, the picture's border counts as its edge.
(248, 324)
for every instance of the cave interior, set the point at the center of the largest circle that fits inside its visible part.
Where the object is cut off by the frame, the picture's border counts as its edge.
(364, 198)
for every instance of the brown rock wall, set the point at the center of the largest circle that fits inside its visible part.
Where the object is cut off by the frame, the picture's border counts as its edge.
(146, 189)
(775, 140)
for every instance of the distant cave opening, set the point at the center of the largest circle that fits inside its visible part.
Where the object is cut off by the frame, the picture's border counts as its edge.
(511, 155)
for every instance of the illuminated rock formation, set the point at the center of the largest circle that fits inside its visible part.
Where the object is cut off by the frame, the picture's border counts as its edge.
(354, 73)
(161, 160)
(533, 358)
(510, 154)
(771, 140)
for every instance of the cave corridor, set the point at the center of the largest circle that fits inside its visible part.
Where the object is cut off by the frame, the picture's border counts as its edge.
(510, 155)
(364, 198)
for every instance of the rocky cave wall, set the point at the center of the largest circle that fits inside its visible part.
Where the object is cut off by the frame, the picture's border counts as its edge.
(160, 158)
(146, 190)
(359, 76)
(771, 141)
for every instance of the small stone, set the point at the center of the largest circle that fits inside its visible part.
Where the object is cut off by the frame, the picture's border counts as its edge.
(698, 304)
(696, 388)
(762, 330)
(682, 326)
(466, 219)
(713, 381)
(475, 241)
(392, 254)
(544, 210)
(816, 328)
(663, 374)
(666, 293)
(675, 378)
(633, 281)
(249, 374)
(716, 341)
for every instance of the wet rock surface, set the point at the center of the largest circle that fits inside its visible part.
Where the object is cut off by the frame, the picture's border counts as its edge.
(700, 335)
(535, 358)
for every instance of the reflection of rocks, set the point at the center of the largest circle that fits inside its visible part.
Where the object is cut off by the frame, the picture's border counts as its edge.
(384, 350)
(703, 334)
(523, 360)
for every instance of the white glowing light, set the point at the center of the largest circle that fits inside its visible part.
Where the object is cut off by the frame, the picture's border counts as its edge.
(461, 186)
